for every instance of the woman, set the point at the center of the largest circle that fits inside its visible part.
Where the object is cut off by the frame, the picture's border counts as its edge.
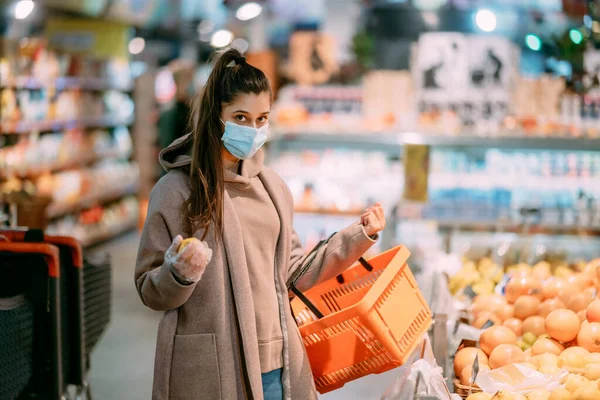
(228, 332)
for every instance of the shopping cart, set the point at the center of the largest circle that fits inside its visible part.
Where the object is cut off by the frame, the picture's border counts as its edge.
(85, 300)
(34, 365)
(367, 320)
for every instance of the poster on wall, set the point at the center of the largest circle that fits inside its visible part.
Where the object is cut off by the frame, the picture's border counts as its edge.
(490, 75)
(313, 58)
(103, 39)
(92, 8)
(591, 62)
(441, 65)
(468, 76)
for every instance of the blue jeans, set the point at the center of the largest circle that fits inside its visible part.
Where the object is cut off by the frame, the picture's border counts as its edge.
(272, 386)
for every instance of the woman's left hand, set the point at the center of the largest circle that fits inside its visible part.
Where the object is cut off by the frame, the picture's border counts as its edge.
(373, 219)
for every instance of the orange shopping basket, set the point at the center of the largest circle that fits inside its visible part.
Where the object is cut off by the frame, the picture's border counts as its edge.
(366, 321)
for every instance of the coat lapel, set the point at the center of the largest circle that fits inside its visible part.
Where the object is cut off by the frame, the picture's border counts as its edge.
(242, 294)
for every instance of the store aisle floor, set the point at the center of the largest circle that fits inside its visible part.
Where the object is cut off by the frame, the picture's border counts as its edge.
(123, 360)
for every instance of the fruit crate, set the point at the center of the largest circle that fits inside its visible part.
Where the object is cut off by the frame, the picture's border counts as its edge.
(465, 391)
(374, 316)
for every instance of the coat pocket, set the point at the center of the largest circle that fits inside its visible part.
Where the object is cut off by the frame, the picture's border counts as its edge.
(195, 368)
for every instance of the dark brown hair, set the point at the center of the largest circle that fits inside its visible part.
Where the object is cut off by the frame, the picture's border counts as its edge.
(230, 77)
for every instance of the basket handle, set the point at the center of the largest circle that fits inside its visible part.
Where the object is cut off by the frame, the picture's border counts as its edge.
(301, 271)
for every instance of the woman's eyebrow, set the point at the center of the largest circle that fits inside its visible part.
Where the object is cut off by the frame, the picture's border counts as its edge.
(240, 111)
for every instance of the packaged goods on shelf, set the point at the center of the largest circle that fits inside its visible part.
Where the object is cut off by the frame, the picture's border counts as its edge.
(31, 156)
(499, 185)
(469, 87)
(29, 64)
(29, 106)
(99, 223)
(338, 180)
(78, 189)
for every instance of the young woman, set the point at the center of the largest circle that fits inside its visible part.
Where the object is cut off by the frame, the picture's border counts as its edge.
(228, 332)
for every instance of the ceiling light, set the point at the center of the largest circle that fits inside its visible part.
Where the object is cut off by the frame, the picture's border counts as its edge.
(24, 8)
(137, 45)
(576, 36)
(248, 11)
(221, 38)
(205, 27)
(533, 42)
(431, 19)
(486, 20)
(240, 44)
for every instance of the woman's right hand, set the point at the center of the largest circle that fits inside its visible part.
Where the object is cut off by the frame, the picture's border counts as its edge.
(189, 265)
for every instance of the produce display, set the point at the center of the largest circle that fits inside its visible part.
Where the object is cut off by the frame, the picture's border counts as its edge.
(544, 327)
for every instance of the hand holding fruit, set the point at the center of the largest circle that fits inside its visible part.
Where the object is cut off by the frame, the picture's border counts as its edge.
(373, 219)
(188, 258)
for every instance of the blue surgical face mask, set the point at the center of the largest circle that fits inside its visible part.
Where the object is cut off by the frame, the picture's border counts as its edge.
(244, 141)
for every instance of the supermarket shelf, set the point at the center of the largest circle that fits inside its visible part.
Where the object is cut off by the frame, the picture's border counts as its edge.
(72, 164)
(58, 125)
(328, 212)
(392, 141)
(117, 231)
(110, 195)
(66, 82)
(508, 227)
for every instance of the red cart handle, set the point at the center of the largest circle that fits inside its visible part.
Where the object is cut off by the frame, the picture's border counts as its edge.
(50, 253)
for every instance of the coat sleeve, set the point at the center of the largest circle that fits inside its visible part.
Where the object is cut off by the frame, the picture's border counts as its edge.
(342, 251)
(154, 280)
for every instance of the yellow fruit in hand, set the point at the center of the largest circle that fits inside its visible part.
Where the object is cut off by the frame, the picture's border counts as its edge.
(186, 242)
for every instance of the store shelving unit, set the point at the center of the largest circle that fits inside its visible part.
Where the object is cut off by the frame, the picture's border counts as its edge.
(104, 197)
(386, 141)
(27, 127)
(83, 161)
(391, 143)
(96, 239)
(64, 83)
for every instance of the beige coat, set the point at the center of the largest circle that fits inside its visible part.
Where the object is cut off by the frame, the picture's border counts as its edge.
(207, 345)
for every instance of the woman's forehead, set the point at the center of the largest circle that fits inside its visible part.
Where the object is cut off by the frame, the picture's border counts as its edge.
(250, 102)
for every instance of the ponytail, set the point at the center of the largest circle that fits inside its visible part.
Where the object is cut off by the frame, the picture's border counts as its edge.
(230, 77)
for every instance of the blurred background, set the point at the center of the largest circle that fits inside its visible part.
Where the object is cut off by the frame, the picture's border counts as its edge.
(475, 122)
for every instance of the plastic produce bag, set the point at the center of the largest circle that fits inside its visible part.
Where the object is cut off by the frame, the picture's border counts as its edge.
(420, 376)
(518, 378)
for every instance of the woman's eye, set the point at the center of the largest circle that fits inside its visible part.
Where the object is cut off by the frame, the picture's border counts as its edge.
(262, 119)
(240, 118)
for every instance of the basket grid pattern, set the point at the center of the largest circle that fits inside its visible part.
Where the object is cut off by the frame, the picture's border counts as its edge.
(97, 302)
(354, 325)
(16, 350)
(330, 297)
(360, 321)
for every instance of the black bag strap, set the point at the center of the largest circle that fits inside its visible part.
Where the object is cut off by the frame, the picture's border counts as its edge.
(309, 260)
